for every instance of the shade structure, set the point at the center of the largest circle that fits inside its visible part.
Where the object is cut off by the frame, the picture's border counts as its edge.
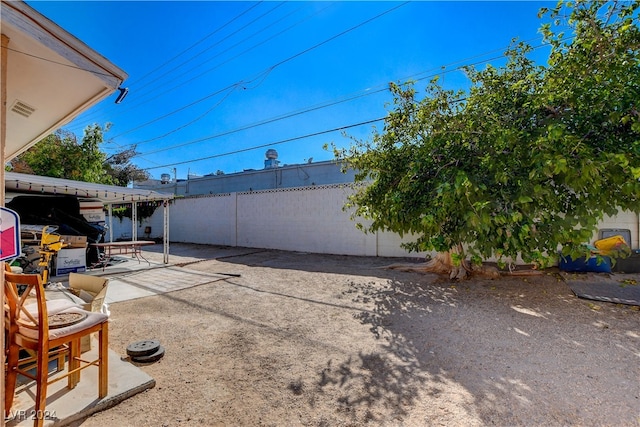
(109, 194)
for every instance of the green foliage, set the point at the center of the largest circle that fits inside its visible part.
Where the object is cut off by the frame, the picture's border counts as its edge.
(529, 158)
(60, 155)
(143, 210)
(122, 172)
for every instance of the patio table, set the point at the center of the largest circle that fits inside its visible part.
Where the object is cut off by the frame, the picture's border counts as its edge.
(132, 247)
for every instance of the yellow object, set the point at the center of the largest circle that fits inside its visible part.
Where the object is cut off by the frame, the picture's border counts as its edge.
(609, 244)
(50, 244)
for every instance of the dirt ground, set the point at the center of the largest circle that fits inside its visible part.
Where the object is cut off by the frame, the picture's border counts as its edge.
(324, 340)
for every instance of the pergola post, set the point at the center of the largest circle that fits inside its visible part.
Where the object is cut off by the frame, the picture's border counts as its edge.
(110, 209)
(165, 239)
(134, 220)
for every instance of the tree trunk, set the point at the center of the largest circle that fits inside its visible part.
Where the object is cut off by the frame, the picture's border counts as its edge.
(443, 264)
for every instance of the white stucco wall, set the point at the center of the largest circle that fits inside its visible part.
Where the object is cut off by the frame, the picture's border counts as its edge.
(305, 219)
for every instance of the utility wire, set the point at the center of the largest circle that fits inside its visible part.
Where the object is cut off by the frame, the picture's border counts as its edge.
(202, 52)
(194, 45)
(203, 115)
(243, 52)
(98, 73)
(232, 87)
(380, 88)
(275, 119)
(357, 95)
(267, 71)
(133, 82)
(269, 144)
(165, 91)
(242, 83)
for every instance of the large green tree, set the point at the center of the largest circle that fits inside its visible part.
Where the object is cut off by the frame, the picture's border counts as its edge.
(61, 155)
(524, 162)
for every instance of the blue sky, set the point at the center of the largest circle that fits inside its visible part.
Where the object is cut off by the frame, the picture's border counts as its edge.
(213, 85)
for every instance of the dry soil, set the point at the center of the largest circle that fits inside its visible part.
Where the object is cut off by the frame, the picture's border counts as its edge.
(323, 340)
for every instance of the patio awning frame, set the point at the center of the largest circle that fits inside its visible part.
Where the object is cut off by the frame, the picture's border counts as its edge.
(109, 195)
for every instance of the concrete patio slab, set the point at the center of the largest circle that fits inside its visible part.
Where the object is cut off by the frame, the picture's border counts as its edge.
(155, 281)
(129, 279)
(65, 406)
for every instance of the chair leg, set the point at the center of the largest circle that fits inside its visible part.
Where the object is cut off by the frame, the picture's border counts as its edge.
(60, 360)
(103, 367)
(11, 378)
(74, 363)
(42, 377)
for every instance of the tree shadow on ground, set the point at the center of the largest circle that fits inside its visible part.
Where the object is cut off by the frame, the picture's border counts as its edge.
(383, 385)
(476, 354)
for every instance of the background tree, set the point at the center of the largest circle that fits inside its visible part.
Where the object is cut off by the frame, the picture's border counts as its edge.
(527, 160)
(119, 167)
(60, 155)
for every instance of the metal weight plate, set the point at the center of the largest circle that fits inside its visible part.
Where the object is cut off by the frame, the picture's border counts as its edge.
(150, 357)
(143, 348)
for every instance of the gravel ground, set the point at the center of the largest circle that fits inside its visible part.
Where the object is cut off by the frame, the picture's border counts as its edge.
(324, 340)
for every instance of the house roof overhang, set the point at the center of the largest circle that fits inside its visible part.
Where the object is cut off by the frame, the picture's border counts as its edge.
(52, 76)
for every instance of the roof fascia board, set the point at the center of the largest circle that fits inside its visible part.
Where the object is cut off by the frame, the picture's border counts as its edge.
(49, 34)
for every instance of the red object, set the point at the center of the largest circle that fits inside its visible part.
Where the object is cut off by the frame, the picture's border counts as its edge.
(8, 242)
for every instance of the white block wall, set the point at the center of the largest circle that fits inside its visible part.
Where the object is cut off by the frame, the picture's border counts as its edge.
(204, 220)
(625, 220)
(305, 219)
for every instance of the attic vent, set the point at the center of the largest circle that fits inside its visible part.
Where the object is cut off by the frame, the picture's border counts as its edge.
(22, 109)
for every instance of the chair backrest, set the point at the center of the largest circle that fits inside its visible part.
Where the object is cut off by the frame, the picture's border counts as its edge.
(17, 302)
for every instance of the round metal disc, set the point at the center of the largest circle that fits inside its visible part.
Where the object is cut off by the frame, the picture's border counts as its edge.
(143, 348)
(150, 357)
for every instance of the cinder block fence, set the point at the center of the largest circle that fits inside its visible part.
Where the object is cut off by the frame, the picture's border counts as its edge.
(305, 219)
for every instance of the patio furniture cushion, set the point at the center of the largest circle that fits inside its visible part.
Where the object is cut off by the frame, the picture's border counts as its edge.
(91, 320)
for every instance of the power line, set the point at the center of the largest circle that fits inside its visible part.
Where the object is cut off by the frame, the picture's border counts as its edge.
(200, 53)
(441, 70)
(194, 120)
(336, 36)
(269, 144)
(264, 75)
(98, 73)
(238, 55)
(232, 86)
(196, 43)
(200, 41)
(168, 90)
(133, 82)
(264, 122)
(268, 70)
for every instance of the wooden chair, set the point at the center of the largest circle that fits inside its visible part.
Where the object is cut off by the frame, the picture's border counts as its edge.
(28, 328)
